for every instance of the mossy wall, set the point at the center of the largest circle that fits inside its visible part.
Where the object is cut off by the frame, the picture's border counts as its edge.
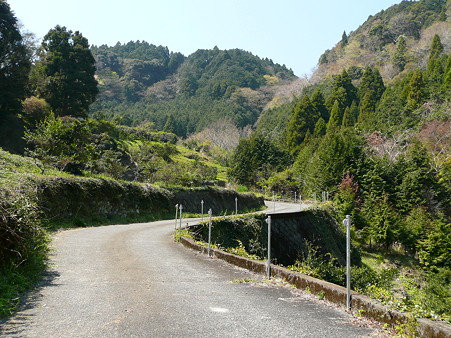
(289, 233)
(62, 198)
(219, 200)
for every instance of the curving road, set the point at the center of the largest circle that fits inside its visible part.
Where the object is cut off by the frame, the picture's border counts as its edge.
(135, 281)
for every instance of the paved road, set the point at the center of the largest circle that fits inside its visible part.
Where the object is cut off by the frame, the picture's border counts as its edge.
(134, 281)
(283, 207)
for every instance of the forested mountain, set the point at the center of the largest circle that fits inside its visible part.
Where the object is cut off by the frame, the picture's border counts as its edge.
(395, 42)
(139, 81)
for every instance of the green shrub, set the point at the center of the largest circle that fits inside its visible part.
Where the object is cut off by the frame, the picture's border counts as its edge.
(23, 246)
(325, 267)
(22, 239)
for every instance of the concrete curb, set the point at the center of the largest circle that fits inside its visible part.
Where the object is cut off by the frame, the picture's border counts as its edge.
(369, 307)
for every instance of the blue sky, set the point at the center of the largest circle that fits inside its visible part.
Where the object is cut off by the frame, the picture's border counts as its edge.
(290, 32)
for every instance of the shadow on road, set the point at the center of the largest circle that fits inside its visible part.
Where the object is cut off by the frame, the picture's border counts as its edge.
(29, 301)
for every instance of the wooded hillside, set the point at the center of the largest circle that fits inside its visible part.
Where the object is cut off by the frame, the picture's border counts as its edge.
(139, 81)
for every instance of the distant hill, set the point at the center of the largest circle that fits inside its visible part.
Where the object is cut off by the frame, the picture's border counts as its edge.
(184, 95)
(377, 42)
(397, 42)
(143, 82)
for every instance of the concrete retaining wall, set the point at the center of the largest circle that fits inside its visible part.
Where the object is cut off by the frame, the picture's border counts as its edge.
(334, 293)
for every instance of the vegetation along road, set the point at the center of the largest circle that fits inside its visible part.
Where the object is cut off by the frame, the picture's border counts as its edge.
(134, 280)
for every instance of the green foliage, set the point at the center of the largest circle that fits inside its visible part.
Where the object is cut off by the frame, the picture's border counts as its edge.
(335, 119)
(325, 267)
(23, 241)
(347, 198)
(14, 281)
(15, 63)
(62, 142)
(370, 91)
(255, 159)
(435, 296)
(303, 119)
(64, 75)
(319, 105)
(343, 91)
(320, 128)
(210, 85)
(400, 58)
(416, 91)
(282, 182)
(383, 221)
(434, 249)
(15, 66)
(321, 167)
(243, 233)
(344, 40)
(436, 48)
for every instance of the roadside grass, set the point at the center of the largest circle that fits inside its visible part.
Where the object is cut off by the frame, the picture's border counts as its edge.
(15, 282)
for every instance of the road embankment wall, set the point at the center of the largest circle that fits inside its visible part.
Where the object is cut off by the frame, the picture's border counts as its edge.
(61, 198)
(291, 234)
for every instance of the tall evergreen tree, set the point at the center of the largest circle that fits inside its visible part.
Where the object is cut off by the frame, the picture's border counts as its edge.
(436, 66)
(436, 48)
(416, 91)
(14, 63)
(400, 57)
(320, 128)
(354, 113)
(371, 90)
(343, 91)
(319, 105)
(335, 118)
(446, 85)
(344, 39)
(347, 118)
(301, 120)
(14, 68)
(66, 71)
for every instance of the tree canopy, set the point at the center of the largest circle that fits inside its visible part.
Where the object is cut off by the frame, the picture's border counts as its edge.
(64, 74)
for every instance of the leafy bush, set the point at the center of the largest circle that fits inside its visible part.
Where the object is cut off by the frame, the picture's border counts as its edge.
(64, 143)
(23, 246)
(325, 267)
(22, 239)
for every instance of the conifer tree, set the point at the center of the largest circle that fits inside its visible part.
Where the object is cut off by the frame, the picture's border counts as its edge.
(436, 48)
(446, 86)
(335, 118)
(300, 122)
(344, 39)
(354, 112)
(416, 91)
(400, 57)
(436, 66)
(371, 90)
(320, 128)
(169, 126)
(343, 91)
(319, 105)
(347, 118)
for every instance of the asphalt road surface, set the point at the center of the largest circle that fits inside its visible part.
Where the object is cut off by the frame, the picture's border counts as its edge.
(135, 281)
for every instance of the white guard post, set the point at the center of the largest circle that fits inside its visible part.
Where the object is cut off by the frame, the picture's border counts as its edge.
(268, 264)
